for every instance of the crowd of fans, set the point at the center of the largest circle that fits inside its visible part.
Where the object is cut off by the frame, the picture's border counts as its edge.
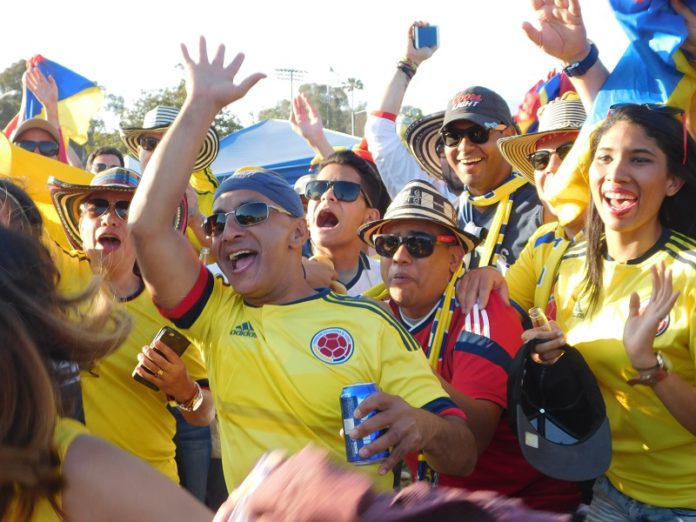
(418, 258)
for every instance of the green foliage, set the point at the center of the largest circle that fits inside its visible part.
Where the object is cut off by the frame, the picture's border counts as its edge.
(11, 91)
(407, 116)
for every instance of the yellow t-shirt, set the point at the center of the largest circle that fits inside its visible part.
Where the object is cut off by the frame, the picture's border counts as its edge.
(654, 457)
(118, 408)
(277, 371)
(67, 430)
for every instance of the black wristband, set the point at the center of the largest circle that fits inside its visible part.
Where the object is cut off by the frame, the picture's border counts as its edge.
(407, 68)
(581, 67)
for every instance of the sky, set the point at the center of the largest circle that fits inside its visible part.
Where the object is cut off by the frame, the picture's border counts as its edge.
(128, 46)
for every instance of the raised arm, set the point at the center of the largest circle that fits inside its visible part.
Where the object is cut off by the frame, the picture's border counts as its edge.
(305, 120)
(169, 265)
(562, 34)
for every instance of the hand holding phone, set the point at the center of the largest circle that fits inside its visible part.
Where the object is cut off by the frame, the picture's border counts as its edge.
(174, 340)
(426, 36)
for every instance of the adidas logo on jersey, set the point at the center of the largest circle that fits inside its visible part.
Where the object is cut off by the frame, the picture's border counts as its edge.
(245, 330)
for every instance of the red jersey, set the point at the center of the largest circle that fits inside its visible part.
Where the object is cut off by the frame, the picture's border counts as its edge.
(477, 353)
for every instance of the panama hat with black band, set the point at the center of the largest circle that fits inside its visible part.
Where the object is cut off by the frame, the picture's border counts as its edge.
(559, 116)
(422, 201)
(160, 119)
(423, 140)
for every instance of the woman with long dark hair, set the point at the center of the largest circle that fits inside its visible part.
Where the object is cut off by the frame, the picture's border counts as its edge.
(626, 299)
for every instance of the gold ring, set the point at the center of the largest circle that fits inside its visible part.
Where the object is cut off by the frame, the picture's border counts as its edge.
(160, 372)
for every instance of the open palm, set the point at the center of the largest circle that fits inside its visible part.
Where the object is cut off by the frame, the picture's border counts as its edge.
(562, 31)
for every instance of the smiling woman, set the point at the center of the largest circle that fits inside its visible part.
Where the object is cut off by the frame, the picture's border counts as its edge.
(614, 301)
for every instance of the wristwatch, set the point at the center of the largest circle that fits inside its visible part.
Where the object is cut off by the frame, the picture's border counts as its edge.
(194, 402)
(655, 374)
(581, 67)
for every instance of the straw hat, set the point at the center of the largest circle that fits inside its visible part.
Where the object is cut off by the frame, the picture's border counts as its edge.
(67, 198)
(423, 141)
(564, 114)
(419, 200)
(158, 120)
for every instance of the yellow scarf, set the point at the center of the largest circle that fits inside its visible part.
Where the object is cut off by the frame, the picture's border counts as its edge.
(489, 250)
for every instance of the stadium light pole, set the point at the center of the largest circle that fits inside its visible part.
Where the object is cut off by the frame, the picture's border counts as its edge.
(292, 75)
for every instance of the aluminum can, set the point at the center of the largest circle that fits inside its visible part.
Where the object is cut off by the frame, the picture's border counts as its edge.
(351, 397)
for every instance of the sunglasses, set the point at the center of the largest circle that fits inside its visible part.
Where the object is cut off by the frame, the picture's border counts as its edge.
(540, 159)
(100, 167)
(418, 244)
(245, 215)
(661, 109)
(475, 134)
(46, 148)
(97, 207)
(148, 143)
(343, 190)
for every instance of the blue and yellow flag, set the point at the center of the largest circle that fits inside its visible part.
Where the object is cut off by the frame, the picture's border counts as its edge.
(79, 99)
(653, 69)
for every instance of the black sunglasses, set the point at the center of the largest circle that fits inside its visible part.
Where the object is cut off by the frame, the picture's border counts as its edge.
(97, 207)
(343, 190)
(148, 143)
(475, 134)
(46, 148)
(418, 244)
(245, 215)
(540, 159)
(100, 167)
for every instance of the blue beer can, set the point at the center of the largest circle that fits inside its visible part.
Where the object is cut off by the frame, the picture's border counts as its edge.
(351, 397)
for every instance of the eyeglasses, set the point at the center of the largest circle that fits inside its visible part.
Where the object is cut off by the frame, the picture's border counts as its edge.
(46, 148)
(540, 159)
(245, 215)
(418, 244)
(343, 190)
(97, 207)
(148, 143)
(100, 167)
(662, 109)
(475, 134)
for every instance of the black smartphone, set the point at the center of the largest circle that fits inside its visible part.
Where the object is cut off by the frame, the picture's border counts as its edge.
(174, 340)
(426, 36)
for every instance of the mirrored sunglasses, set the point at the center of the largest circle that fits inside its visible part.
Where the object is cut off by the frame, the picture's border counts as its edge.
(97, 207)
(148, 143)
(541, 158)
(418, 244)
(100, 167)
(46, 148)
(343, 190)
(245, 215)
(475, 134)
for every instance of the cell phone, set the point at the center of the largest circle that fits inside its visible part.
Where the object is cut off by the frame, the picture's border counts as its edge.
(426, 36)
(174, 340)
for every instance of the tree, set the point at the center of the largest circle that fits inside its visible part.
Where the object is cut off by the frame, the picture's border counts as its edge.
(351, 85)
(11, 91)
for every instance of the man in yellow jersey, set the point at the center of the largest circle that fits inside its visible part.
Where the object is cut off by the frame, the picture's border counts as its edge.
(116, 407)
(278, 351)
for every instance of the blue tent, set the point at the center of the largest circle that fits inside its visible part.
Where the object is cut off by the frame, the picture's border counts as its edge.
(271, 144)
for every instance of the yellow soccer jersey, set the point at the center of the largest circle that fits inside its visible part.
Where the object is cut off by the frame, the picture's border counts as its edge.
(118, 408)
(654, 457)
(531, 277)
(277, 371)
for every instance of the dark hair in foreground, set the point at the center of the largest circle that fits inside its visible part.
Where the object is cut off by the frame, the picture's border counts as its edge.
(38, 325)
(24, 215)
(369, 175)
(676, 212)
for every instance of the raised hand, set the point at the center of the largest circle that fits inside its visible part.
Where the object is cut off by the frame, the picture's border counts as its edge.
(561, 32)
(305, 119)
(414, 55)
(45, 90)
(641, 325)
(690, 19)
(211, 81)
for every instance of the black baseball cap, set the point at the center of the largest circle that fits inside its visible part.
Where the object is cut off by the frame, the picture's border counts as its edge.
(559, 416)
(479, 105)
